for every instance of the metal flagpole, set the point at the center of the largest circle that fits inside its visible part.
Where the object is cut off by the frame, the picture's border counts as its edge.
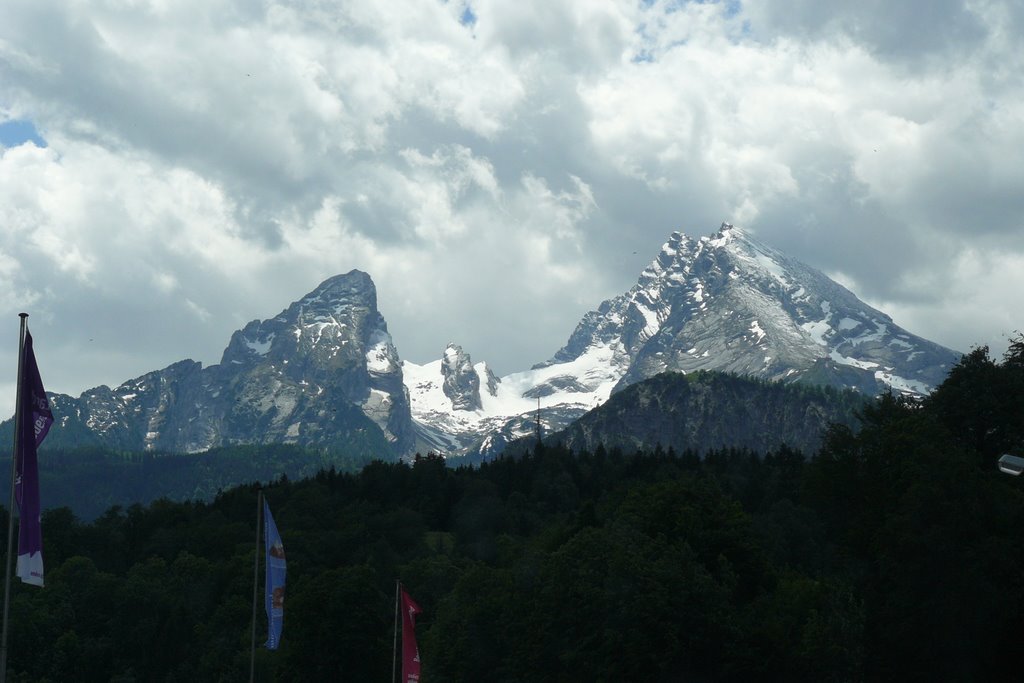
(394, 646)
(10, 507)
(255, 585)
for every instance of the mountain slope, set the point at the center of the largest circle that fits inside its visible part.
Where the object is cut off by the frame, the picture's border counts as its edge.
(479, 412)
(726, 303)
(729, 303)
(710, 410)
(323, 372)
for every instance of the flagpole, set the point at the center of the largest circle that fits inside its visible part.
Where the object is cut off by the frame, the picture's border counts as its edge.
(10, 506)
(255, 585)
(394, 645)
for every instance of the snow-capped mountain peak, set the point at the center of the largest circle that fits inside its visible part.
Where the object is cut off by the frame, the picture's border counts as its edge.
(722, 302)
(728, 302)
(326, 371)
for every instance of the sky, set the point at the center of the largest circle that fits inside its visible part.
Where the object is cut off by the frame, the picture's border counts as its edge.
(172, 169)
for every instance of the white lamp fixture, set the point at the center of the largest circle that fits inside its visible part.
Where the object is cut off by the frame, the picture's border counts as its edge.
(1011, 464)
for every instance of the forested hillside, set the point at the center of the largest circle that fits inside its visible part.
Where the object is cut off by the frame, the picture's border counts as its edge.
(706, 411)
(91, 480)
(894, 553)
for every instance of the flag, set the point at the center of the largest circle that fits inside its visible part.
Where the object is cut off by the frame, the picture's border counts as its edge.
(36, 418)
(275, 578)
(410, 653)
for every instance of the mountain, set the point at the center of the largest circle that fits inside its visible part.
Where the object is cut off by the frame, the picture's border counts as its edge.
(705, 410)
(323, 372)
(730, 303)
(462, 408)
(724, 302)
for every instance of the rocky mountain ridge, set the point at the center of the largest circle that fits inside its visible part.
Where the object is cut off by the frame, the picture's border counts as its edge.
(326, 372)
(730, 303)
(323, 372)
(724, 302)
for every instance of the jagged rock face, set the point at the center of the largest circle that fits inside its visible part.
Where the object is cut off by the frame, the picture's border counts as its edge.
(138, 415)
(492, 382)
(461, 382)
(329, 349)
(462, 409)
(325, 371)
(321, 370)
(724, 302)
(731, 304)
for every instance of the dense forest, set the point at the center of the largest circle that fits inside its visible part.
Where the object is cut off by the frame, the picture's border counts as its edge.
(896, 552)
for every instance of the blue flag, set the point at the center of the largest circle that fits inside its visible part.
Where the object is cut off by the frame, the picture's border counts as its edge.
(36, 419)
(275, 578)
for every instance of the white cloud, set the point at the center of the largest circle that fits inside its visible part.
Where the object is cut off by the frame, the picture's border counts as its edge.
(209, 162)
(585, 37)
(967, 319)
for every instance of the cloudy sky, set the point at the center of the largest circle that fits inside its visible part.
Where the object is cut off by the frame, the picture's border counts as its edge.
(172, 169)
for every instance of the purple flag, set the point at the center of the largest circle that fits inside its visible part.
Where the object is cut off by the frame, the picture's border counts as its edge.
(36, 419)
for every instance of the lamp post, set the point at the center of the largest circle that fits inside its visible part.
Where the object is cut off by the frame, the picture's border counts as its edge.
(1011, 464)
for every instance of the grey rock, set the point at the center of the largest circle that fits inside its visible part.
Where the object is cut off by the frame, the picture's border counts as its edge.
(729, 303)
(461, 382)
(323, 372)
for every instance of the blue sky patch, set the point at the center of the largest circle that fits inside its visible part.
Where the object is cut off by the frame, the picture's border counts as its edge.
(468, 17)
(17, 132)
(732, 7)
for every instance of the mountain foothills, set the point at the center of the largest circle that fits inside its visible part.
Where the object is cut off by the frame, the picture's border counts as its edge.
(325, 372)
(711, 411)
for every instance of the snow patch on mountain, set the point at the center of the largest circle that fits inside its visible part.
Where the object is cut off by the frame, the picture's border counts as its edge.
(260, 346)
(586, 382)
(508, 407)
(381, 356)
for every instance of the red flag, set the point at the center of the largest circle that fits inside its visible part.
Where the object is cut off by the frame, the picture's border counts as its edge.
(410, 653)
